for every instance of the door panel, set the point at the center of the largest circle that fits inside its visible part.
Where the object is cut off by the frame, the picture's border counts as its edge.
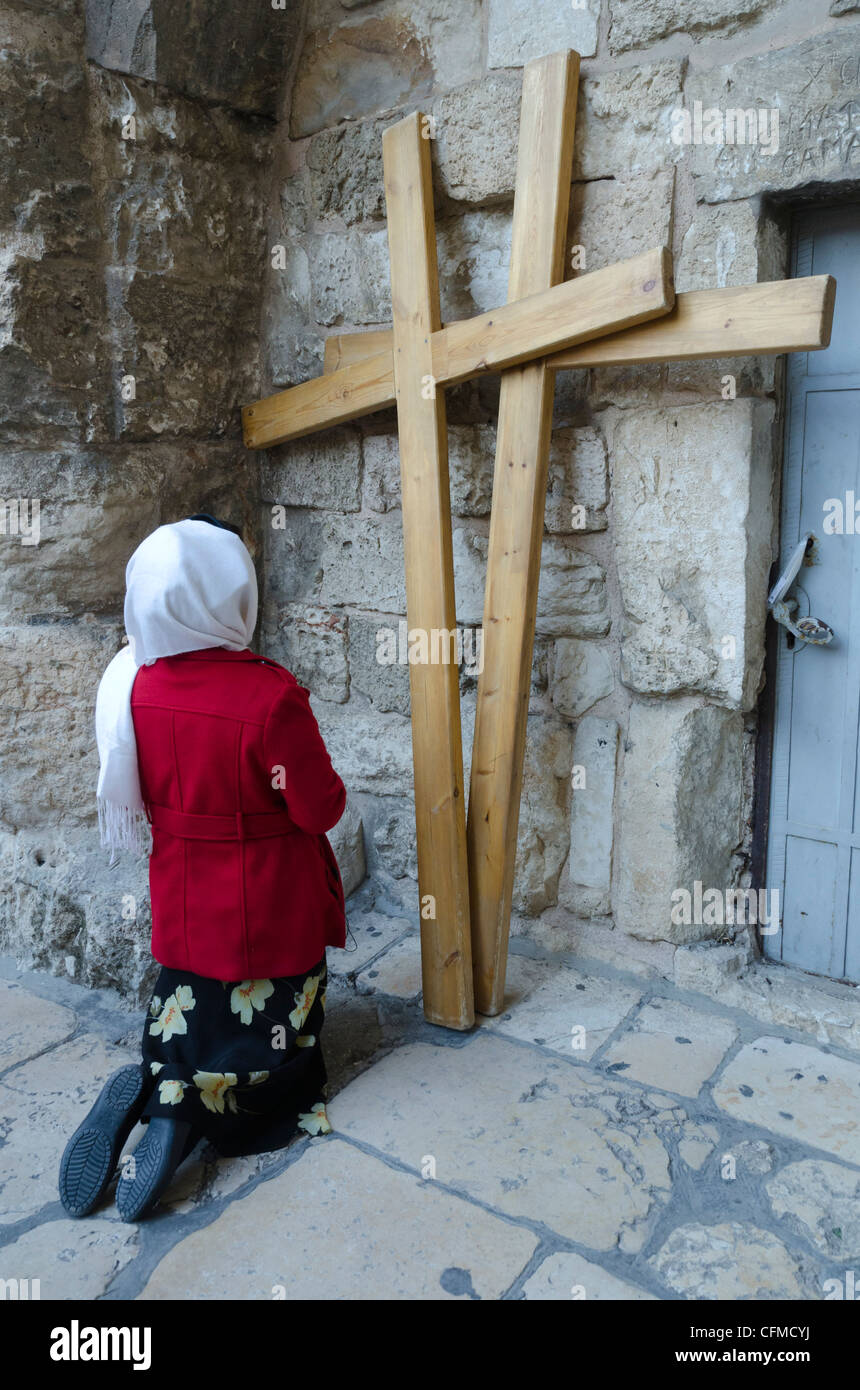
(814, 830)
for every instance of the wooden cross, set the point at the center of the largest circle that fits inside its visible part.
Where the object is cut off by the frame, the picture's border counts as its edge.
(627, 313)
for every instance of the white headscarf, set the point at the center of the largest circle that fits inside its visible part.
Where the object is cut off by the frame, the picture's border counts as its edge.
(189, 585)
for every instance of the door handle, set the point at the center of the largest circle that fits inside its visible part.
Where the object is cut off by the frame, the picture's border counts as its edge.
(784, 609)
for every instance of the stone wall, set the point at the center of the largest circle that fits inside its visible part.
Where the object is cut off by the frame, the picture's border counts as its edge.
(651, 618)
(208, 254)
(136, 154)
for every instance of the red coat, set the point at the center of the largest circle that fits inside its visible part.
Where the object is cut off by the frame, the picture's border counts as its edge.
(240, 789)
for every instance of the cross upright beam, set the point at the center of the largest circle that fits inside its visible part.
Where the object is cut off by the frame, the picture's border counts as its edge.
(437, 748)
(541, 202)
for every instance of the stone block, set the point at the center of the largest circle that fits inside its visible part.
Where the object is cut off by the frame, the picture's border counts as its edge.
(694, 594)
(572, 600)
(580, 674)
(476, 136)
(679, 814)
(613, 219)
(347, 841)
(230, 54)
(624, 121)
(321, 559)
(471, 454)
(520, 30)
(312, 643)
(813, 86)
(371, 63)
(578, 476)
(543, 821)
(30, 1024)
(585, 887)
(638, 23)
(320, 471)
(386, 684)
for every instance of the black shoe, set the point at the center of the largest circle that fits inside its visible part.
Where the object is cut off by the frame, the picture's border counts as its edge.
(158, 1155)
(92, 1153)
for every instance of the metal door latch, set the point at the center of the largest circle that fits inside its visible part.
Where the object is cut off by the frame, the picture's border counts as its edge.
(812, 630)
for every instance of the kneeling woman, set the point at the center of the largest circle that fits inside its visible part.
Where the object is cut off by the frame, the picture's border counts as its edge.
(215, 753)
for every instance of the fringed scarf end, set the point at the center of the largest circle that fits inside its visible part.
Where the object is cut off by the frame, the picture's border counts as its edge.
(123, 827)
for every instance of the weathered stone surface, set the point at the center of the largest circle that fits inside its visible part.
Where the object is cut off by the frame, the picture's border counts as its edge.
(793, 1089)
(694, 596)
(385, 683)
(347, 841)
(636, 23)
(471, 451)
(372, 63)
(42, 1104)
(474, 260)
(371, 934)
(224, 53)
(519, 30)
(312, 643)
(321, 471)
(578, 477)
(580, 674)
(345, 172)
(559, 1008)
(814, 86)
(572, 600)
(585, 887)
(349, 277)
(566, 1276)
(538, 1135)
(624, 121)
(822, 1202)
(476, 133)
(612, 219)
(397, 972)
(30, 1024)
(320, 559)
(679, 814)
(62, 908)
(71, 1259)
(708, 966)
(729, 1261)
(672, 1046)
(730, 244)
(48, 680)
(453, 1250)
(394, 838)
(372, 752)
(541, 846)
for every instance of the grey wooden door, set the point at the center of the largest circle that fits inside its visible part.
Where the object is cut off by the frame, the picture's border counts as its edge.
(814, 833)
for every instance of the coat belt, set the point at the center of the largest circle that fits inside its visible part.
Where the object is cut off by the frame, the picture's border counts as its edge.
(242, 825)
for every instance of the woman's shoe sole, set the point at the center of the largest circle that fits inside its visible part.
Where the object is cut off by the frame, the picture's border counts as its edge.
(155, 1164)
(92, 1153)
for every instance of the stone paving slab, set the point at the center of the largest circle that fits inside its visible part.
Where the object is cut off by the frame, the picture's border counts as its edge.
(371, 932)
(796, 1090)
(672, 1045)
(29, 1024)
(398, 972)
(41, 1105)
(569, 1276)
(534, 1137)
(561, 1008)
(822, 1201)
(732, 1261)
(71, 1259)
(338, 1224)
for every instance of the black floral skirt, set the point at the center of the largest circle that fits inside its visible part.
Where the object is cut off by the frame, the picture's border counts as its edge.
(241, 1062)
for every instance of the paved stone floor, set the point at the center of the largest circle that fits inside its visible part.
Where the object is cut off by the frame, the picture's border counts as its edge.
(607, 1137)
